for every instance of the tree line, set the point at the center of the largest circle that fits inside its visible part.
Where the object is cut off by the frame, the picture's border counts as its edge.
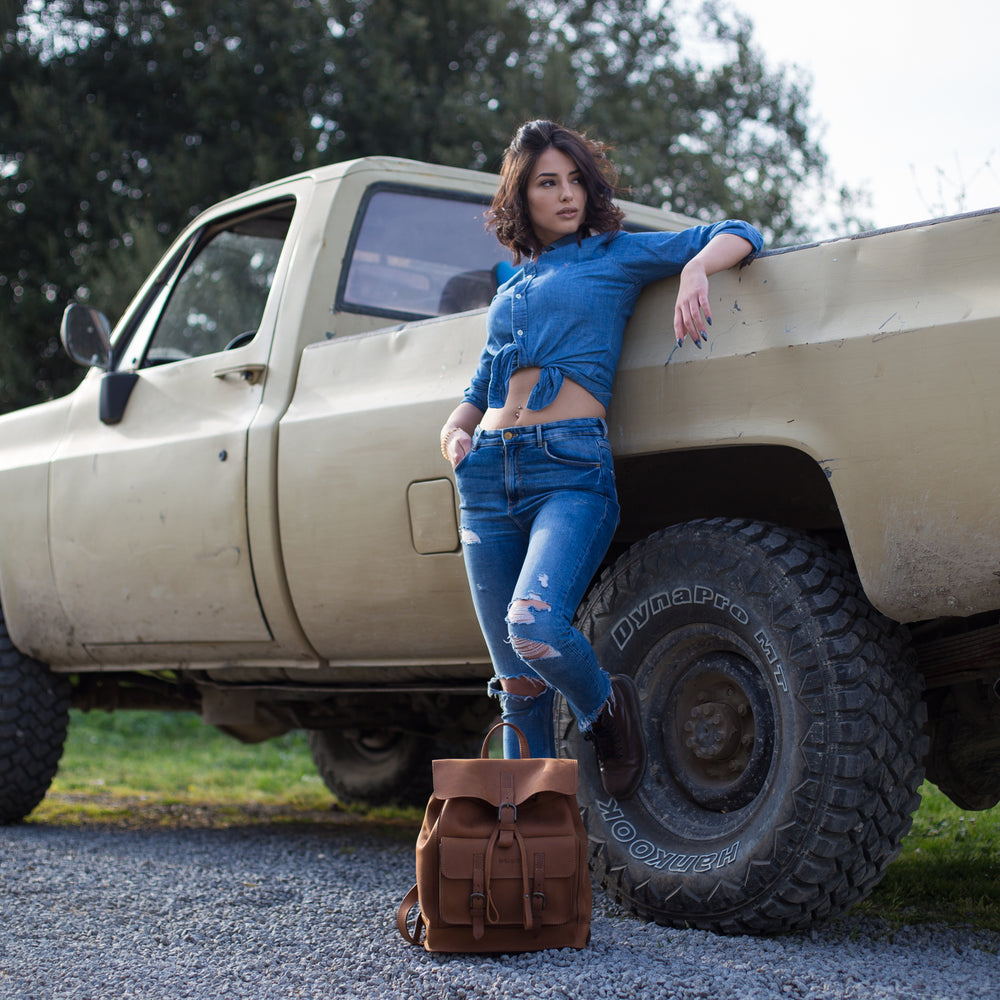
(122, 119)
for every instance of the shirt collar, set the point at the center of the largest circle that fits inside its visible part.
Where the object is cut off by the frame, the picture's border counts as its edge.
(562, 244)
(564, 241)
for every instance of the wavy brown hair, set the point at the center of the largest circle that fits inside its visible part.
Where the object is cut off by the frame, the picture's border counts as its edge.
(508, 214)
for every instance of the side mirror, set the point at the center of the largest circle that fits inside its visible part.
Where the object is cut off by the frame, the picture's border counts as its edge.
(86, 335)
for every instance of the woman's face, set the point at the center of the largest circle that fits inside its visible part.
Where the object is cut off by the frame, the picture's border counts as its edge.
(556, 196)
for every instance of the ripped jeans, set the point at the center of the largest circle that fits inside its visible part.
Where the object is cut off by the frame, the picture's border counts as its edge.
(539, 509)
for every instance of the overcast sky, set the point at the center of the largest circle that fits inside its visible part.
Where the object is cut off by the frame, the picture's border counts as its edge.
(909, 93)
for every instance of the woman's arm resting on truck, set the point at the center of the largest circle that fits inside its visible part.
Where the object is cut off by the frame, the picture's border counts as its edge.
(692, 312)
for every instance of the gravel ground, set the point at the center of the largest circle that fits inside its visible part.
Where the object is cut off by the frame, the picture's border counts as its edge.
(309, 911)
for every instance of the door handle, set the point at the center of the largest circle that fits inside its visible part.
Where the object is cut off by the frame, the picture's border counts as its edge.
(249, 373)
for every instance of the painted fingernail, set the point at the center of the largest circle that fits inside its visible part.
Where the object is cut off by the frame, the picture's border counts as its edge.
(709, 318)
(697, 344)
(680, 341)
(704, 336)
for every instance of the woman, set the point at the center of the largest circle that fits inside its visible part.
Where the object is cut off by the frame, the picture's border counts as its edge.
(529, 444)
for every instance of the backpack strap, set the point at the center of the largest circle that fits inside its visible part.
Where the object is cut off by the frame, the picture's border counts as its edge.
(492, 913)
(409, 901)
(538, 888)
(477, 901)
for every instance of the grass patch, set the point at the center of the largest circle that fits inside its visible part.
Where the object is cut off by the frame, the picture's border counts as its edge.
(175, 756)
(168, 769)
(948, 871)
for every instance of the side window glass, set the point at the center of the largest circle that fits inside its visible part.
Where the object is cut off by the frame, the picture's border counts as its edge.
(218, 300)
(416, 254)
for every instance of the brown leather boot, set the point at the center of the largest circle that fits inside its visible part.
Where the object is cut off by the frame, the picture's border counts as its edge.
(618, 740)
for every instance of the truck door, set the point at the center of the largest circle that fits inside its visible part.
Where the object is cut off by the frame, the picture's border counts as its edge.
(148, 516)
(366, 504)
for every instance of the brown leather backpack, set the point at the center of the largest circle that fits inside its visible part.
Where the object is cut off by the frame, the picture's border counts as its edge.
(501, 857)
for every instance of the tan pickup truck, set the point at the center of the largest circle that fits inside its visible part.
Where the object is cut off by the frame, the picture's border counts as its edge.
(242, 511)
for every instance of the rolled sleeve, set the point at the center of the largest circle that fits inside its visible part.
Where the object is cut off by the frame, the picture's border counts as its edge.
(646, 257)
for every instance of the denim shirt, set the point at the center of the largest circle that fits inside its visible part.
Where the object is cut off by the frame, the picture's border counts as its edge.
(565, 310)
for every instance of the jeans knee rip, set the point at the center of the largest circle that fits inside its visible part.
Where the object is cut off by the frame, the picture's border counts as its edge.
(522, 612)
(519, 612)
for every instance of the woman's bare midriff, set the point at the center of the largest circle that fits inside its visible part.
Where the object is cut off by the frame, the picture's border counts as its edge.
(572, 403)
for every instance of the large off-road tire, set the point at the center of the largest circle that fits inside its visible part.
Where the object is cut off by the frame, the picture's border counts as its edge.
(783, 721)
(377, 767)
(34, 717)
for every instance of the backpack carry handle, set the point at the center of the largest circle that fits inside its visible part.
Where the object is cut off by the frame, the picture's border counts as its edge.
(522, 741)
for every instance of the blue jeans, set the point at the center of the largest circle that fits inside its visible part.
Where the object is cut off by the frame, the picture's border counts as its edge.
(539, 509)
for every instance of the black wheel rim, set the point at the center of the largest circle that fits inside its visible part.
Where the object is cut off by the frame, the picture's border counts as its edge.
(710, 723)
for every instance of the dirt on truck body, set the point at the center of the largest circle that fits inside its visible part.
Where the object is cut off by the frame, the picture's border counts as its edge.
(242, 511)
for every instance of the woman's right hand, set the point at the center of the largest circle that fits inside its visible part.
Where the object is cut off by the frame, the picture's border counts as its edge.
(456, 445)
(456, 435)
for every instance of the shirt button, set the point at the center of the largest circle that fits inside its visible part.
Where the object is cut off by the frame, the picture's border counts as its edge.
(518, 295)
(520, 333)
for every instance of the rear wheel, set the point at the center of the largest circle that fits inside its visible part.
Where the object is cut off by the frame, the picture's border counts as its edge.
(34, 717)
(784, 726)
(374, 767)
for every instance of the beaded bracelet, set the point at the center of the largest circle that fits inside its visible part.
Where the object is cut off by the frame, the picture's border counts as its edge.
(446, 439)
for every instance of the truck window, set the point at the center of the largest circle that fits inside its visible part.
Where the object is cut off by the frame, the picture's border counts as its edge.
(416, 253)
(219, 297)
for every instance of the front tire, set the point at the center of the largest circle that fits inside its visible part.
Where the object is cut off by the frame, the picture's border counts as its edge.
(34, 718)
(783, 721)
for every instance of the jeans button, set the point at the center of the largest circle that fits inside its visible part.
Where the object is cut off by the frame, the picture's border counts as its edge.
(508, 435)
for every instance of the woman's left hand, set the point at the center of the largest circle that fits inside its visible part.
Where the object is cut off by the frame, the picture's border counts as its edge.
(692, 313)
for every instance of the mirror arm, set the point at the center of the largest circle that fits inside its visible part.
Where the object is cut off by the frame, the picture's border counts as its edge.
(116, 387)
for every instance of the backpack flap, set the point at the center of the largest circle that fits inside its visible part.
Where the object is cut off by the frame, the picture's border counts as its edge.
(482, 779)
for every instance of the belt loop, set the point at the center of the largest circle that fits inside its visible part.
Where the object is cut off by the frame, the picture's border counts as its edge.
(539, 437)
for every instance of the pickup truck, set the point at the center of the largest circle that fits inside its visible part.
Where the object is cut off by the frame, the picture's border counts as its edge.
(242, 510)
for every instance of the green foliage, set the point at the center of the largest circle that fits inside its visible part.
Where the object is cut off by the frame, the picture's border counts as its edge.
(718, 136)
(426, 79)
(124, 118)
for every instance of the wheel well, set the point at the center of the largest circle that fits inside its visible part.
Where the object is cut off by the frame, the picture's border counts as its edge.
(765, 482)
